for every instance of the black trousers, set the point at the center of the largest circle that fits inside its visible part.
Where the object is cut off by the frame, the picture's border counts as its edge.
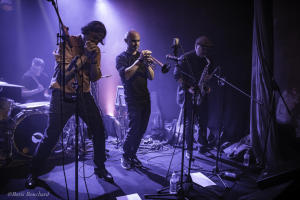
(200, 114)
(58, 117)
(138, 114)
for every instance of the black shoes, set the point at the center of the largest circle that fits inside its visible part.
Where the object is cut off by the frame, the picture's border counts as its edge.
(130, 162)
(136, 162)
(102, 173)
(31, 181)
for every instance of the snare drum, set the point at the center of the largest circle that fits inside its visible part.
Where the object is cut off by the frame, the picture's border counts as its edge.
(29, 131)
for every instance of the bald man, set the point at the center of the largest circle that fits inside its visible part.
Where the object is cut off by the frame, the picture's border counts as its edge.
(135, 70)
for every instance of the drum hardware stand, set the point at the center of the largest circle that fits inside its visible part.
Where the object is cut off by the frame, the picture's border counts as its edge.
(123, 127)
(120, 107)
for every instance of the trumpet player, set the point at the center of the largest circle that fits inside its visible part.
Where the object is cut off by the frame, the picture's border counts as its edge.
(135, 69)
(193, 67)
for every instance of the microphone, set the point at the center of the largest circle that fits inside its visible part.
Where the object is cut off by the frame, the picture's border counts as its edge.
(175, 46)
(175, 41)
(174, 58)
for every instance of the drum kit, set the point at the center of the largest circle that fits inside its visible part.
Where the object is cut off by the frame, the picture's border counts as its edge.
(22, 127)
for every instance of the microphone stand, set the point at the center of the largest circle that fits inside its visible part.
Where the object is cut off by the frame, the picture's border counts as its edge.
(65, 38)
(76, 87)
(236, 88)
(181, 194)
(216, 171)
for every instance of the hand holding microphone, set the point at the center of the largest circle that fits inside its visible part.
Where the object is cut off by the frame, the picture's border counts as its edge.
(91, 50)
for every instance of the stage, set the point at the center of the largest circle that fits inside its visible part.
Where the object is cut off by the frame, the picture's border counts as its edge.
(148, 180)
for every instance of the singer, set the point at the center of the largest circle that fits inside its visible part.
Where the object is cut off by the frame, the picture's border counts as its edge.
(85, 50)
(188, 73)
(134, 69)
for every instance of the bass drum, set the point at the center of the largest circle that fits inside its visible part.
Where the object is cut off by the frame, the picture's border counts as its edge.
(29, 131)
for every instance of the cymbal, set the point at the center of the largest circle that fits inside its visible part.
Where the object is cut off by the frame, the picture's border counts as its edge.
(5, 84)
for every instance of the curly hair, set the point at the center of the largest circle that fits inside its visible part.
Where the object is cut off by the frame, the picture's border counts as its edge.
(95, 26)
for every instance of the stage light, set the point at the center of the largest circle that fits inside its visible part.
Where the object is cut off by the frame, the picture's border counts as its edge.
(102, 7)
(106, 12)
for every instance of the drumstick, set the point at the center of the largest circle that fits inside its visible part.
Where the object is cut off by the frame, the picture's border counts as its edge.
(105, 76)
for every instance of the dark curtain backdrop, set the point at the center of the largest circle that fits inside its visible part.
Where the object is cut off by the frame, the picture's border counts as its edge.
(262, 115)
(270, 40)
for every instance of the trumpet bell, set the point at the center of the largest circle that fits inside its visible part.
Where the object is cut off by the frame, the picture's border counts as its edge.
(165, 68)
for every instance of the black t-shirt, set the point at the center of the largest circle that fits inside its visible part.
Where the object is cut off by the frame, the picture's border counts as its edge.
(135, 88)
(29, 83)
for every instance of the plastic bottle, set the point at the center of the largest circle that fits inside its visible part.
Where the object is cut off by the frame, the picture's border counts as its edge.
(230, 175)
(174, 183)
(246, 159)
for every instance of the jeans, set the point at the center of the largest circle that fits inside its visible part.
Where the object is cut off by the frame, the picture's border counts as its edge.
(138, 114)
(59, 113)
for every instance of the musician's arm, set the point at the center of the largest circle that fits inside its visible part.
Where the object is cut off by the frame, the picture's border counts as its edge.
(130, 71)
(26, 92)
(150, 73)
(95, 70)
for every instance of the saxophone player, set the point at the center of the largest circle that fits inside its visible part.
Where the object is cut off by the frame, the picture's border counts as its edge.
(192, 73)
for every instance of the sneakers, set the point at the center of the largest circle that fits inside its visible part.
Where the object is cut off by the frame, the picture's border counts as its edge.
(130, 162)
(136, 162)
(104, 174)
(126, 162)
(188, 155)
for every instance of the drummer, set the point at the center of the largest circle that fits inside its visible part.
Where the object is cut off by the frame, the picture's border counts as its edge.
(35, 82)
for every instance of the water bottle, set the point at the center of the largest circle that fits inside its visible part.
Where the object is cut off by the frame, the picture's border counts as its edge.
(230, 175)
(173, 183)
(246, 159)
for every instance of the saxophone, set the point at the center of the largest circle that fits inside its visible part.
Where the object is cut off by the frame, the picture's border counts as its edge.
(203, 88)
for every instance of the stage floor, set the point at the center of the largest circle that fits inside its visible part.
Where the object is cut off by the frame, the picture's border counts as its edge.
(154, 176)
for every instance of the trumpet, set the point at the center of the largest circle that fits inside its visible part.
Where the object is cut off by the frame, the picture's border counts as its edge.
(165, 68)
